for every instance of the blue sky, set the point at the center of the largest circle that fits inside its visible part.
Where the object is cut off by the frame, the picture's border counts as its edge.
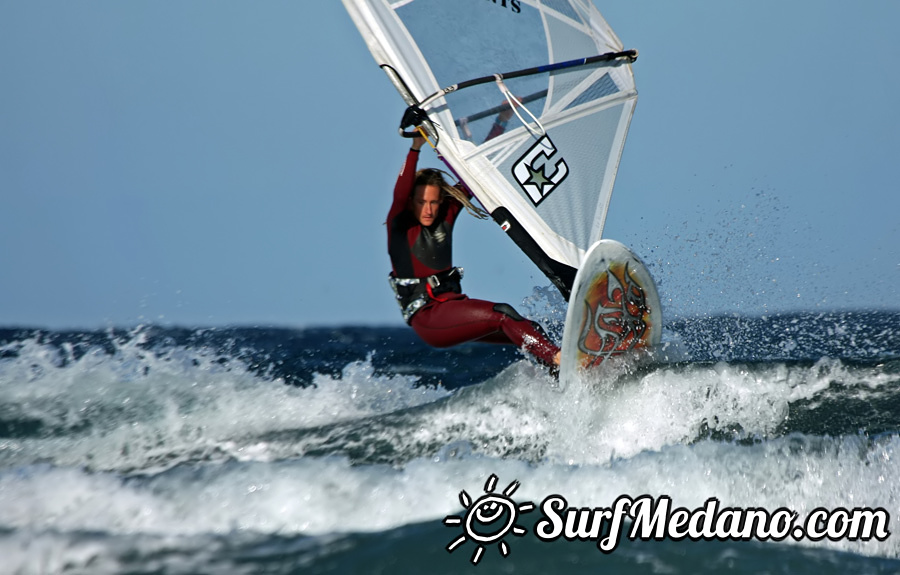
(220, 162)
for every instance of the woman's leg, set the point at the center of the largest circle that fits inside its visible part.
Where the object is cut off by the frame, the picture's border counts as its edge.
(456, 321)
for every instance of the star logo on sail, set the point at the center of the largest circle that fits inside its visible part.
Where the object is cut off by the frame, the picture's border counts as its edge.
(531, 170)
(538, 178)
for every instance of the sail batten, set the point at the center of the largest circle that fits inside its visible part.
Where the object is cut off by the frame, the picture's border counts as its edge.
(546, 179)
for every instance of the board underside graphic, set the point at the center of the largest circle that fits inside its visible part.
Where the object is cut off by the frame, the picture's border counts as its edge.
(614, 309)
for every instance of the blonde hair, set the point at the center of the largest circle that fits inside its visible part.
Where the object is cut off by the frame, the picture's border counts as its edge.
(434, 177)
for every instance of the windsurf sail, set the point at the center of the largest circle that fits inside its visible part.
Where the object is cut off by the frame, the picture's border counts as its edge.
(547, 175)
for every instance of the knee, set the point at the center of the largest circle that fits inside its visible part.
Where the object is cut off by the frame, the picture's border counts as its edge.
(508, 311)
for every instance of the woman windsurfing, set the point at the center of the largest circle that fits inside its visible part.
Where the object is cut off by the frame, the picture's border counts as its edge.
(427, 285)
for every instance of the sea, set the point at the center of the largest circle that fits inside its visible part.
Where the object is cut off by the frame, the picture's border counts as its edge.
(160, 449)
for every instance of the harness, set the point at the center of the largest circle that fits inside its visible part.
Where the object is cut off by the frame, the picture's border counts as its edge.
(414, 293)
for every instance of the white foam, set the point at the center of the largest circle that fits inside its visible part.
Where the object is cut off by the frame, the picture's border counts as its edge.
(635, 435)
(316, 496)
(27, 553)
(136, 410)
(522, 414)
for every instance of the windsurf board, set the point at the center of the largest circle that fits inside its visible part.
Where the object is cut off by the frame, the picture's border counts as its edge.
(614, 309)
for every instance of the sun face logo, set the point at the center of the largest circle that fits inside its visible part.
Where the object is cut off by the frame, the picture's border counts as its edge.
(489, 519)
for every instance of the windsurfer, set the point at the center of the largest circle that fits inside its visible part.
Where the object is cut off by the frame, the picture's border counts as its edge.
(420, 233)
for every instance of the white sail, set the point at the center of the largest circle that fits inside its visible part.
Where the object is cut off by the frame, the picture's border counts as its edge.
(547, 179)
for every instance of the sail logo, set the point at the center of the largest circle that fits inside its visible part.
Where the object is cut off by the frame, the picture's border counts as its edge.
(531, 170)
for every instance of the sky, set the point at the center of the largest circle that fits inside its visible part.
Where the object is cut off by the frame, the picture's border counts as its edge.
(217, 162)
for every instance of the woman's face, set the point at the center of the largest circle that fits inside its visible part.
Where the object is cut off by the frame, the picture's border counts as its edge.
(425, 203)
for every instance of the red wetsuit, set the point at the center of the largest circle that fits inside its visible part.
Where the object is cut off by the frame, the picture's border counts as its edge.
(449, 318)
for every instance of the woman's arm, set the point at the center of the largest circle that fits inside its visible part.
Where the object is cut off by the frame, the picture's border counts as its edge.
(403, 189)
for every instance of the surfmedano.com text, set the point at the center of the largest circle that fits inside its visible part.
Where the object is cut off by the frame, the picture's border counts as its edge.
(655, 519)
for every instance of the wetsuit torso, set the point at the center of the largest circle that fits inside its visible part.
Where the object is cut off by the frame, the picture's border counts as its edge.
(417, 251)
